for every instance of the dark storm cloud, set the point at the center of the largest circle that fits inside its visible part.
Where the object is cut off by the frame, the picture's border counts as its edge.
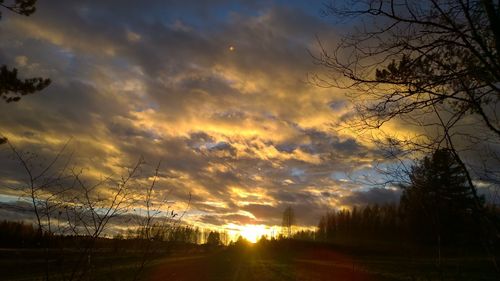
(373, 196)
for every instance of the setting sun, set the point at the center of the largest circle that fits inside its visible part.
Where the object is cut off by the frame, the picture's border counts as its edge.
(253, 232)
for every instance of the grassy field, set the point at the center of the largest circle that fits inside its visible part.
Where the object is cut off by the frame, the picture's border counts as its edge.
(263, 262)
(252, 264)
(257, 263)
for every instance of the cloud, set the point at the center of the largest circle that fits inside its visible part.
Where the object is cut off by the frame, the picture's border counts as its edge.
(158, 81)
(373, 196)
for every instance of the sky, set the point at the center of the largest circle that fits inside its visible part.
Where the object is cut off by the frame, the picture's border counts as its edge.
(218, 91)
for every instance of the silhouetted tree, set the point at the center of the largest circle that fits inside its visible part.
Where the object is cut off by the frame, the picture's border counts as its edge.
(185, 234)
(17, 235)
(12, 88)
(22, 7)
(65, 203)
(371, 222)
(305, 235)
(432, 64)
(154, 225)
(438, 204)
(214, 238)
(288, 221)
(420, 54)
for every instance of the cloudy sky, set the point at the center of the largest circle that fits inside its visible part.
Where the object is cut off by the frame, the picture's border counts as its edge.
(216, 90)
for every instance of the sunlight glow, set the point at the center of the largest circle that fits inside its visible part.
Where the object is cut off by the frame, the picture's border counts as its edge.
(253, 232)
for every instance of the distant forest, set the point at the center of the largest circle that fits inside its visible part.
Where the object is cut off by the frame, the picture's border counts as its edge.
(24, 235)
(436, 208)
(386, 223)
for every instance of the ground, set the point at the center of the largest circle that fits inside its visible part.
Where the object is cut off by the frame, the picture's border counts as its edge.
(227, 265)
(265, 263)
(317, 263)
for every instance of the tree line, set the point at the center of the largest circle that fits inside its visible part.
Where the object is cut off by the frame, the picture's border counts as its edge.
(437, 208)
(14, 234)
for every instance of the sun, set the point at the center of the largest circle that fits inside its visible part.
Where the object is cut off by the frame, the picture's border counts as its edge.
(252, 232)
